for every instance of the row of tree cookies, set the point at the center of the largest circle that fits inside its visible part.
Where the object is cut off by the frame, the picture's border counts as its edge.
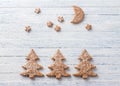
(58, 67)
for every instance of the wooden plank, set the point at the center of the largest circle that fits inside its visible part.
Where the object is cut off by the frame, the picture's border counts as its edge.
(68, 52)
(81, 43)
(102, 78)
(58, 3)
(86, 83)
(60, 36)
(61, 11)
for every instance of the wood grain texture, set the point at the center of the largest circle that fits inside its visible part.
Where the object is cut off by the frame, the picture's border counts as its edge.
(103, 42)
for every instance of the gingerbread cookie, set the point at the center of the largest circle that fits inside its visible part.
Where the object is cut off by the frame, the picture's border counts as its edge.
(31, 67)
(78, 16)
(37, 10)
(85, 68)
(49, 24)
(58, 68)
(57, 28)
(88, 27)
(60, 19)
(27, 28)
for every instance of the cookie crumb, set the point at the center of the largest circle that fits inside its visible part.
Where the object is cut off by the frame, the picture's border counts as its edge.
(49, 24)
(57, 28)
(27, 28)
(37, 10)
(60, 19)
(88, 27)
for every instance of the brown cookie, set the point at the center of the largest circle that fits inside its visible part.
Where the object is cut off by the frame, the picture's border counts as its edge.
(60, 19)
(57, 28)
(58, 67)
(85, 68)
(37, 10)
(50, 24)
(27, 28)
(31, 67)
(78, 16)
(88, 27)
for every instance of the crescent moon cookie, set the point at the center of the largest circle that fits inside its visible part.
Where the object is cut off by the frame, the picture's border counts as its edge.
(78, 16)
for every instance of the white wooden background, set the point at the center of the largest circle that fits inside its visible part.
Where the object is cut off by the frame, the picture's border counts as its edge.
(103, 42)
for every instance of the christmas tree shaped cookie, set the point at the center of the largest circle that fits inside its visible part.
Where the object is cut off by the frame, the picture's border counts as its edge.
(58, 67)
(85, 68)
(31, 67)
